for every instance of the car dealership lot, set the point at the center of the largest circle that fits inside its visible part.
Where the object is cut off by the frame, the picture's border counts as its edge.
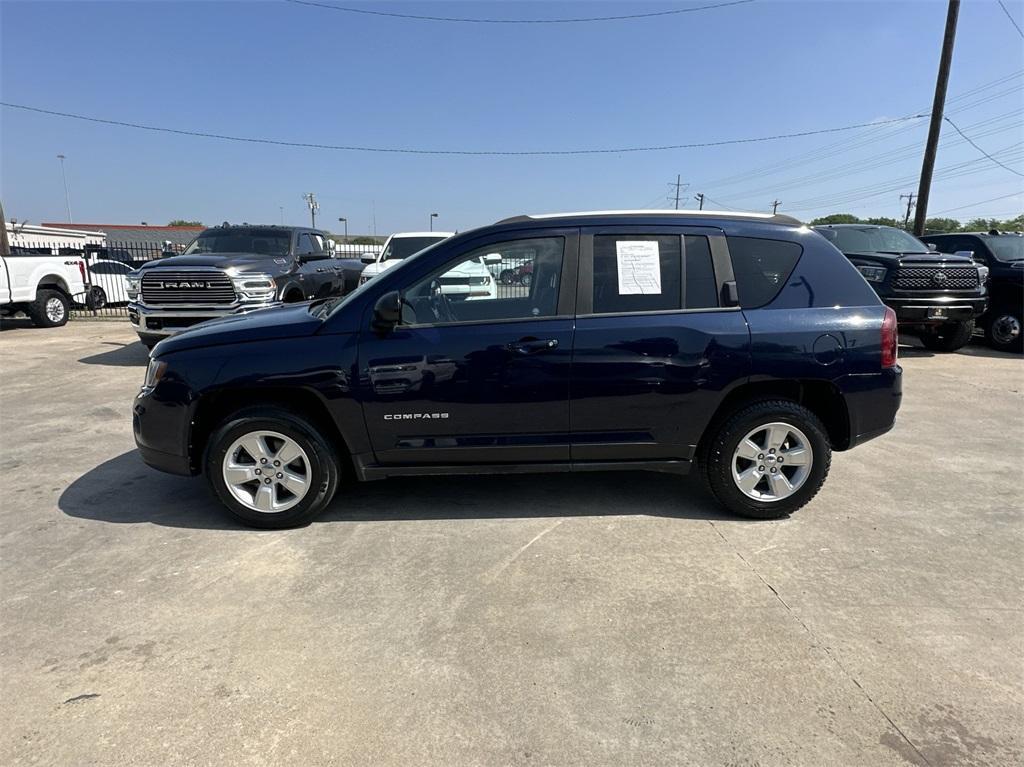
(577, 619)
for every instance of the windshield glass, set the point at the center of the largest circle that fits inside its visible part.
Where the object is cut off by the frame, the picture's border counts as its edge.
(273, 242)
(873, 239)
(403, 247)
(1007, 247)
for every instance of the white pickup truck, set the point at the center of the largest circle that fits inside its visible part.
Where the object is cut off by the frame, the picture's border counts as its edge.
(42, 285)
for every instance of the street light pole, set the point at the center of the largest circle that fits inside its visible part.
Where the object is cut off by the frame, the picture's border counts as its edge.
(67, 196)
(432, 217)
(345, 222)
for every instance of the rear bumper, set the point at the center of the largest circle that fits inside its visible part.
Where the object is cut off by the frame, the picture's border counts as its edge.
(872, 402)
(166, 321)
(921, 310)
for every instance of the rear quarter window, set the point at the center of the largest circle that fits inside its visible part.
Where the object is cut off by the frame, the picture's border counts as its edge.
(761, 267)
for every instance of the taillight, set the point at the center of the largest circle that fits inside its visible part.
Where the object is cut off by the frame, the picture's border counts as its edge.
(890, 339)
(81, 270)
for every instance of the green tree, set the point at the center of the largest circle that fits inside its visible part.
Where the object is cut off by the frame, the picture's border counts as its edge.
(936, 225)
(183, 222)
(364, 240)
(837, 218)
(884, 221)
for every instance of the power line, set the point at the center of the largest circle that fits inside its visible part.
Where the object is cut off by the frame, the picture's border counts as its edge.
(1012, 21)
(470, 152)
(993, 159)
(463, 20)
(980, 202)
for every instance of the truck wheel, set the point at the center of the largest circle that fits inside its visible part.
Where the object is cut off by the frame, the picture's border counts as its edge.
(1005, 332)
(50, 309)
(149, 340)
(271, 469)
(767, 459)
(948, 337)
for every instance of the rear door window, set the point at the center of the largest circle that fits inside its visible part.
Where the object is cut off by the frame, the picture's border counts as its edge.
(761, 267)
(636, 273)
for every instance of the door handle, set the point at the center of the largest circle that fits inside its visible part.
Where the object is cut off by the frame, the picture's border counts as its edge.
(532, 345)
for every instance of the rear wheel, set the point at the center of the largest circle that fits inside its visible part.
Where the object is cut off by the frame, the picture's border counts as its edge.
(948, 337)
(97, 298)
(1005, 332)
(271, 469)
(507, 277)
(527, 279)
(767, 459)
(50, 309)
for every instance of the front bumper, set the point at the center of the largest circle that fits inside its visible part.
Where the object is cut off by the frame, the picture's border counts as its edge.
(166, 321)
(936, 309)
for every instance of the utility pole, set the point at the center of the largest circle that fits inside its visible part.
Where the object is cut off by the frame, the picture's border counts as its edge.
(775, 206)
(700, 200)
(432, 217)
(314, 206)
(910, 206)
(281, 208)
(938, 106)
(5, 247)
(345, 222)
(67, 197)
(680, 187)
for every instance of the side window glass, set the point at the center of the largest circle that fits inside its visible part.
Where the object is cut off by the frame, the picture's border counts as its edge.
(304, 245)
(511, 280)
(318, 243)
(637, 273)
(700, 285)
(761, 267)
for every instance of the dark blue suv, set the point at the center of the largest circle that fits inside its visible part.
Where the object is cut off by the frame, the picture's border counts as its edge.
(744, 344)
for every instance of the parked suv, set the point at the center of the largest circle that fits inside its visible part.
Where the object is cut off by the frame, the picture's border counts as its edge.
(937, 296)
(743, 345)
(230, 270)
(1003, 254)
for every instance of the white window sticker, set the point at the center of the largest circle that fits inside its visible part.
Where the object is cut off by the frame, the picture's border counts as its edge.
(639, 267)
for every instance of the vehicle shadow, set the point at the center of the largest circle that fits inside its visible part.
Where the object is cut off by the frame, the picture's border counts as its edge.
(15, 323)
(123, 355)
(124, 490)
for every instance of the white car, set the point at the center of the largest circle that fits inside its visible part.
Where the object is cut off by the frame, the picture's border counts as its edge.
(469, 281)
(109, 286)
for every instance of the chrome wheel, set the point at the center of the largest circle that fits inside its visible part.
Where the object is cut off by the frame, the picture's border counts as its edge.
(1005, 329)
(772, 462)
(267, 472)
(54, 309)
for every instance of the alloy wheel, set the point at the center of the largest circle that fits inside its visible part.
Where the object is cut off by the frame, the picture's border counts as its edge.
(772, 462)
(267, 471)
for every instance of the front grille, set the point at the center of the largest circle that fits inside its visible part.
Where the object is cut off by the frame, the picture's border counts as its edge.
(174, 287)
(935, 278)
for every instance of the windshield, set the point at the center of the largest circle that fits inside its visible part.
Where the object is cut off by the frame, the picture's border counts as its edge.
(403, 247)
(873, 239)
(1007, 247)
(272, 242)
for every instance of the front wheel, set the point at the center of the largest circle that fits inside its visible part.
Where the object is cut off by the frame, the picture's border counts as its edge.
(1005, 332)
(948, 337)
(271, 469)
(767, 460)
(526, 279)
(50, 309)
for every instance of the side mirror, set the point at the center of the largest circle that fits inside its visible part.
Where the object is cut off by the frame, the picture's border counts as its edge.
(331, 246)
(932, 247)
(493, 259)
(368, 258)
(966, 254)
(387, 312)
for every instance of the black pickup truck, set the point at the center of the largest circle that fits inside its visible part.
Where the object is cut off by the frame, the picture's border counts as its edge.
(231, 270)
(936, 296)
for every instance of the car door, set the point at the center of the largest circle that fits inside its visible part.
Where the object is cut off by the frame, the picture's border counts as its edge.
(658, 340)
(478, 375)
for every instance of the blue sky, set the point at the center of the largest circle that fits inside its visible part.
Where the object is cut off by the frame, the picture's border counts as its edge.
(278, 70)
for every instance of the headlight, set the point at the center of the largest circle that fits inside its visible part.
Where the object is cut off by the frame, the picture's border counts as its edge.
(154, 373)
(255, 287)
(872, 273)
(132, 281)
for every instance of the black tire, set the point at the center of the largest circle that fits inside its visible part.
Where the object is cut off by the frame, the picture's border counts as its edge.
(948, 337)
(97, 298)
(324, 471)
(1005, 332)
(526, 279)
(716, 457)
(39, 313)
(507, 277)
(149, 340)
